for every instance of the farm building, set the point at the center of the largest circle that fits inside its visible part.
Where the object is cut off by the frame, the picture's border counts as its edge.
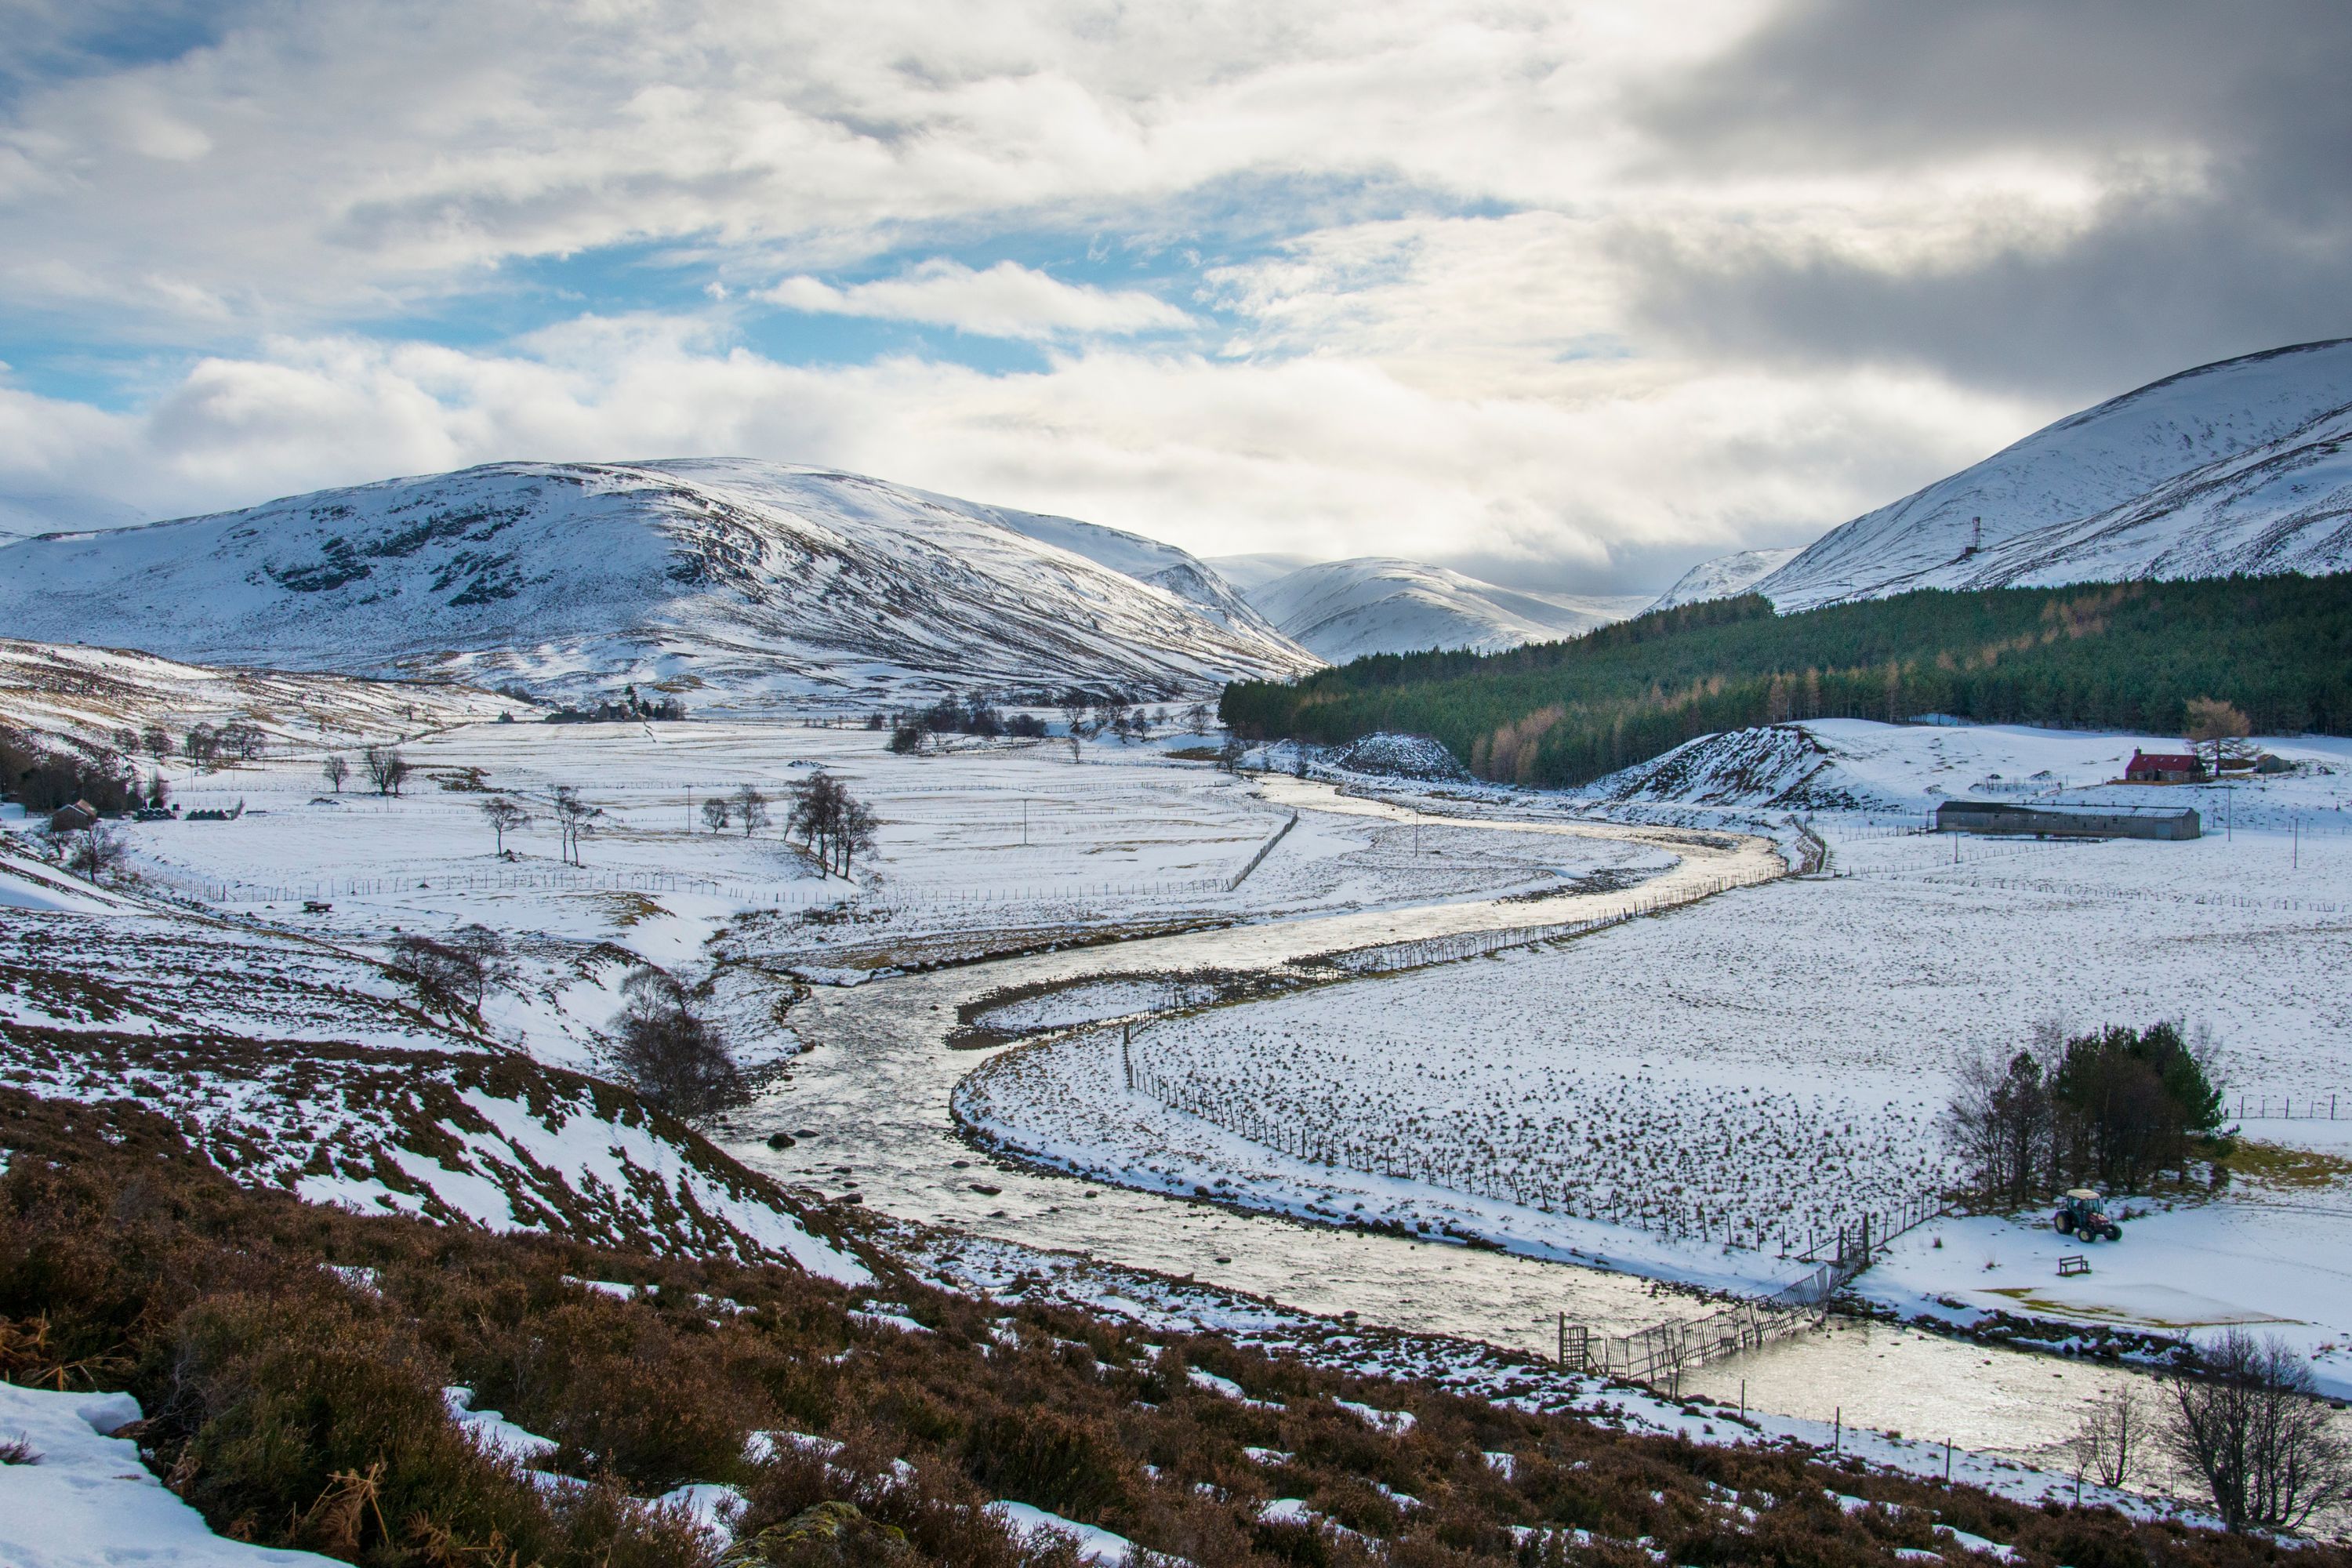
(2165, 767)
(72, 818)
(2069, 821)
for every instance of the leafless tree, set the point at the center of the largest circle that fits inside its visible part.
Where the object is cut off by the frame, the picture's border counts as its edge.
(750, 809)
(386, 768)
(157, 742)
(503, 814)
(335, 769)
(95, 851)
(1196, 719)
(460, 969)
(2243, 1419)
(2113, 1435)
(673, 1058)
(715, 814)
(574, 820)
(201, 744)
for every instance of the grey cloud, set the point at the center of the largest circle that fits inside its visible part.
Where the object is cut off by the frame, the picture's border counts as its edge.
(2253, 251)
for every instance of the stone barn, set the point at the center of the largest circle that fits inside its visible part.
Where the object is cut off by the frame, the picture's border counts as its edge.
(2170, 822)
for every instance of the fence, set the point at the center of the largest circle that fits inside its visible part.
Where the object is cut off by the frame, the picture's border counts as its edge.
(795, 895)
(1657, 1356)
(1264, 850)
(2315, 1108)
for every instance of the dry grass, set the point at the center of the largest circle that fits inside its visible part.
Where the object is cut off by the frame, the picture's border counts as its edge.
(298, 1405)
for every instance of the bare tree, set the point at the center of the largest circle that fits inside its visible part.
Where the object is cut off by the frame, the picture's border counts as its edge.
(201, 744)
(674, 1058)
(574, 820)
(1196, 718)
(386, 768)
(2245, 1420)
(857, 830)
(714, 814)
(335, 769)
(502, 815)
(95, 851)
(750, 809)
(156, 741)
(2113, 1435)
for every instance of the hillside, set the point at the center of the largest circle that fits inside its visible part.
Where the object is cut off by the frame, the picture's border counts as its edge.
(1725, 577)
(2122, 657)
(1341, 610)
(730, 582)
(2229, 467)
(91, 698)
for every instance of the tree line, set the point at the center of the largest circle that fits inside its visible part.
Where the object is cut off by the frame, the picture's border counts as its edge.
(2108, 656)
(2112, 1107)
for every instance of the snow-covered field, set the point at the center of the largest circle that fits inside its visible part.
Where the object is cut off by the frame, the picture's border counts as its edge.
(1768, 1063)
(988, 839)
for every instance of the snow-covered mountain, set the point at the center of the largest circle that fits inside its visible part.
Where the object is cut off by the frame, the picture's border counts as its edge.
(25, 512)
(1251, 572)
(734, 583)
(2234, 466)
(1340, 610)
(1723, 577)
(1147, 560)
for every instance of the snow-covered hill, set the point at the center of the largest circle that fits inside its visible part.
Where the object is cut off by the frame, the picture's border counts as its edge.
(90, 697)
(1250, 573)
(1340, 610)
(2234, 466)
(1723, 577)
(1147, 560)
(732, 582)
(25, 512)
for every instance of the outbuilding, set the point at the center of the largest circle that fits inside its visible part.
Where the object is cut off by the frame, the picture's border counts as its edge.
(2165, 767)
(2169, 822)
(73, 818)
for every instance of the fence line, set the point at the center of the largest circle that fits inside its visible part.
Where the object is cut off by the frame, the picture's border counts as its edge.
(1264, 850)
(2317, 1108)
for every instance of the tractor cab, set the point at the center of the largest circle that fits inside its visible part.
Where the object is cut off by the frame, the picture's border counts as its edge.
(2080, 1213)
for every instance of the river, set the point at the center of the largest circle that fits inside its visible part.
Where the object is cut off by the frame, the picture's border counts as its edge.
(875, 1088)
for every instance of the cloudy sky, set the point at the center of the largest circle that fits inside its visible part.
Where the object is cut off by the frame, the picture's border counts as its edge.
(1567, 294)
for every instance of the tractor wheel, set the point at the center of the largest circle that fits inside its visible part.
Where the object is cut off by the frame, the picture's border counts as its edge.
(2115, 1233)
(2066, 1223)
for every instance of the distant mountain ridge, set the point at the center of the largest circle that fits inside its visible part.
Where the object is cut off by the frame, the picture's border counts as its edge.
(1723, 577)
(2235, 467)
(1340, 610)
(731, 582)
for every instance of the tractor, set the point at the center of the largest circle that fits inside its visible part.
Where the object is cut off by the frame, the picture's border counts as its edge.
(2080, 1213)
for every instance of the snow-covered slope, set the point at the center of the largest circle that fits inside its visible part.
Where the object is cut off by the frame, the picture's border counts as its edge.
(1147, 560)
(2233, 467)
(91, 696)
(1341, 610)
(1250, 573)
(1723, 577)
(24, 512)
(733, 583)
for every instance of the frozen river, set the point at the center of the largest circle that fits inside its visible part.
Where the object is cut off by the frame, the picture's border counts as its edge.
(876, 1089)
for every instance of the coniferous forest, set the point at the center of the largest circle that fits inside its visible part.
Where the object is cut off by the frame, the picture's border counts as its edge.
(2124, 655)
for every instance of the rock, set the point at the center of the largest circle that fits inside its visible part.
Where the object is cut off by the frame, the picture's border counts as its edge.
(827, 1535)
(781, 1140)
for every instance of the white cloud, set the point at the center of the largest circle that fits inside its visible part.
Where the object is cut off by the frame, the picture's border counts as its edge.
(1007, 300)
(1322, 456)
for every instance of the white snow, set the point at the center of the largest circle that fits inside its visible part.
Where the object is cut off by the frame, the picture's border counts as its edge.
(1342, 610)
(2233, 467)
(713, 1506)
(1094, 1545)
(1724, 577)
(90, 1502)
(493, 1434)
(728, 581)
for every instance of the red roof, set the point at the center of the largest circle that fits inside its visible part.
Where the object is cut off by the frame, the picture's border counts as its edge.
(2166, 762)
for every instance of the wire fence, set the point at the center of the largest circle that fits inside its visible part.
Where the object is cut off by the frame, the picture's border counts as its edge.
(2284, 1108)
